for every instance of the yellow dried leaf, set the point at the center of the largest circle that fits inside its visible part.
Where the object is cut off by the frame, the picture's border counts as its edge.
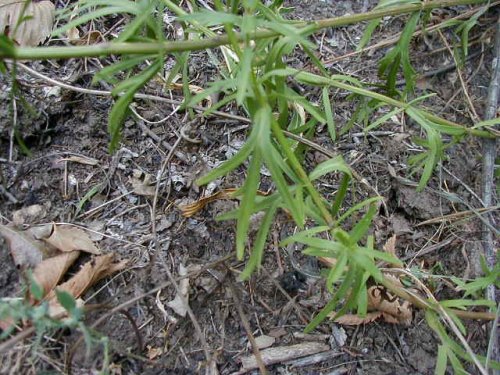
(29, 28)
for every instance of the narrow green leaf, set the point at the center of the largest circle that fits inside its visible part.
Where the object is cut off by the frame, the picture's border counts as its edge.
(442, 360)
(260, 241)
(332, 304)
(369, 29)
(330, 122)
(304, 234)
(340, 194)
(245, 71)
(247, 203)
(336, 272)
(230, 164)
(120, 108)
(336, 164)
(361, 228)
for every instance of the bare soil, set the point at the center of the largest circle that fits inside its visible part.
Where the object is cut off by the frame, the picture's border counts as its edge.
(63, 123)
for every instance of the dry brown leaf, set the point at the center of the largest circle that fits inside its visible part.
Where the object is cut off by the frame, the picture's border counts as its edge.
(154, 352)
(142, 184)
(92, 37)
(381, 304)
(50, 271)
(178, 304)
(263, 341)
(380, 299)
(329, 262)
(26, 250)
(29, 215)
(69, 238)
(390, 245)
(91, 272)
(36, 21)
(355, 320)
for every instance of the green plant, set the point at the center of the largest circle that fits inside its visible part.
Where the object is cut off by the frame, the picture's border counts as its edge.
(22, 312)
(255, 45)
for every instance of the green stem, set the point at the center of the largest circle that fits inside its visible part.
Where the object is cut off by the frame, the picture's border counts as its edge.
(103, 49)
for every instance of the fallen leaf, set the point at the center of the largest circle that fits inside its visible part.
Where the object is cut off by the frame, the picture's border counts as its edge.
(142, 184)
(91, 272)
(154, 352)
(178, 304)
(390, 245)
(29, 215)
(263, 341)
(50, 271)
(381, 304)
(380, 299)
(70, 238)
(36, 22)
(355, 320)
(25, 249)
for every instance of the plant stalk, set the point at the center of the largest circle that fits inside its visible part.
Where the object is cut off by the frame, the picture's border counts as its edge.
(104, 49)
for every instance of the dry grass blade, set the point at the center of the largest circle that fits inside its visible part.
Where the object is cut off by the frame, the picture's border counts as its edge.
(191, 209)
(29, 28)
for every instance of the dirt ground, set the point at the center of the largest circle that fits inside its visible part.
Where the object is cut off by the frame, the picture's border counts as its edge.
(64, 123)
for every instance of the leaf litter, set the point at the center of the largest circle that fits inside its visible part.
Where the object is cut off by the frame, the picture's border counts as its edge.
(49, 251)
